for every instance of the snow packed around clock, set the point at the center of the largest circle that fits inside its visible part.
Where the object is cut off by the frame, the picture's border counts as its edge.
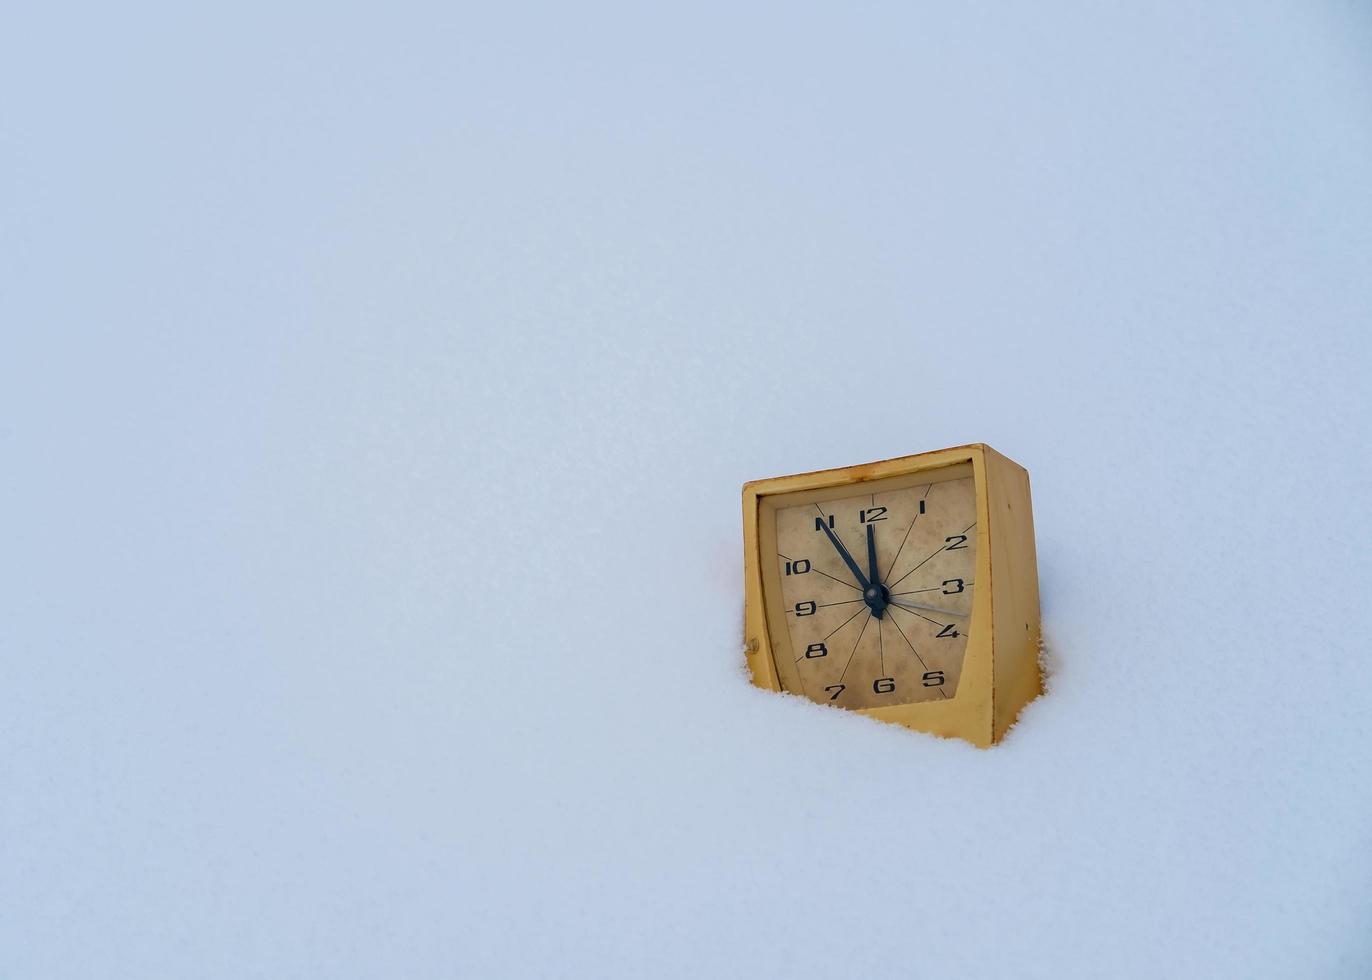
(378, 385)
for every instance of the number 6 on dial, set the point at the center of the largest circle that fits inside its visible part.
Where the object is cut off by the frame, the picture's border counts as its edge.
(906, 590)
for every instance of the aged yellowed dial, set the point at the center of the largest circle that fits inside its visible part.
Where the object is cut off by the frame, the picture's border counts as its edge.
(877, 591)
(905, 589)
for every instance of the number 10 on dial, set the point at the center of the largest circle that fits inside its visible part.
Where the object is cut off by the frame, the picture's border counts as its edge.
(905, 589)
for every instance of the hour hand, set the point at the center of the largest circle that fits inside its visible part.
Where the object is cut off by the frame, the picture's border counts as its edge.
(843, 553)
(875, 594)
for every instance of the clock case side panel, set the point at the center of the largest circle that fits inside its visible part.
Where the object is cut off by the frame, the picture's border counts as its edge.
(757, 649)
(1015, 615)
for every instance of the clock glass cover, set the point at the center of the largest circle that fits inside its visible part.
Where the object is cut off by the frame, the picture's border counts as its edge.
(875, 589)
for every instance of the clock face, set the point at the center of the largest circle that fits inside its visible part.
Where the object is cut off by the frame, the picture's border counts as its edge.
(877, 591)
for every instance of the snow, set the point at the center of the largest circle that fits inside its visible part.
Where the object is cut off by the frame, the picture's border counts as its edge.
(377, 389)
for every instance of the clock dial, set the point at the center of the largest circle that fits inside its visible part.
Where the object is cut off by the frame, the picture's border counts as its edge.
(877, 591)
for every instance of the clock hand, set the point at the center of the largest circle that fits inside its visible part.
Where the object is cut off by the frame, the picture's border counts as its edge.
(843, 553)
(915, 605)
(876, 594)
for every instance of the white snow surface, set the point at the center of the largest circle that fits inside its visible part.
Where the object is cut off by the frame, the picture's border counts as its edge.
(377, 387)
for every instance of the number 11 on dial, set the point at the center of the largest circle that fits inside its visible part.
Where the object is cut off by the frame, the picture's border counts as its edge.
(905, 589)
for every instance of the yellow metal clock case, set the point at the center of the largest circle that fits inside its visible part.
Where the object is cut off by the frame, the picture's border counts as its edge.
(905, 589)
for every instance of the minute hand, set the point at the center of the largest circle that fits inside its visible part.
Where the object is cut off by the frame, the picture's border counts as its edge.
(847, 558)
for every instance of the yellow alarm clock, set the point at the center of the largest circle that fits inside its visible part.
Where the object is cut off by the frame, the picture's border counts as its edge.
(906, 590)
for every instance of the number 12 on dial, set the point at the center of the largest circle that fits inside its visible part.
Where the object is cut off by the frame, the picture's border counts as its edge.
(905, 589)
